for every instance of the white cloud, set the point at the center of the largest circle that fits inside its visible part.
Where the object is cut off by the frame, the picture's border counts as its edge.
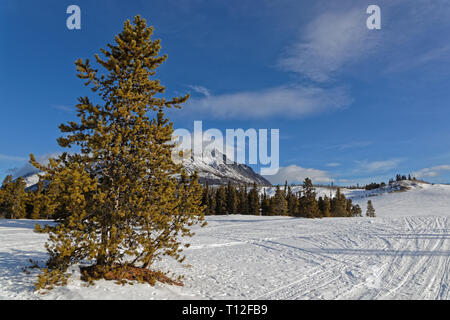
(296, 174)
(5, 157)
(280, 101)
(200, 89)
(351, 145)
(64, 108)
(378, 166)
(440, 54)
(431, 172)
(329, 42)
(333, 164)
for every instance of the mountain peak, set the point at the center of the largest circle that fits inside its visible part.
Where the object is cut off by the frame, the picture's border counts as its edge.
(215, 168)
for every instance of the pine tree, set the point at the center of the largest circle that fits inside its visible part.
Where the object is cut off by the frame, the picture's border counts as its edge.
(120, 194)
(35, 202)
(221, 201)
(279, 203)
(308, 207)
(253, 201)
(324, 206)
(207, 200)
(3, 195)
(265, 205)
(292, 203)
(243, 205)
(232, 201)
(370, 212)
(39, 204)
(348, 208)
(212, 202)
(13, 198)
(356, 211)
(339, 204)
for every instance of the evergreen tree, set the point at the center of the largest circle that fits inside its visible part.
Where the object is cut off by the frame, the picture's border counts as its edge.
(370, 212)
(37, 203)
(324, 206)
(221, 201)
(212, 202)
(308, 207)
(207, 200)
(292, 203)
(356, 211)
(120, 194)
(243, 205)
(279, 203)
(253, 201)
(265, 205)
(13, 198)
(2, 196)
(339, 204)
(232, 201)
(348, 208)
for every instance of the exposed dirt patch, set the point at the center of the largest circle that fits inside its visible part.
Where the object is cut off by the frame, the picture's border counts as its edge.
(124, 273)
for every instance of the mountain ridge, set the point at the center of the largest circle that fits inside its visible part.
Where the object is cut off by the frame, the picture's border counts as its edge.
(212, 169)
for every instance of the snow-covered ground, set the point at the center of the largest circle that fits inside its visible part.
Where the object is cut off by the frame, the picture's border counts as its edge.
(404, 253)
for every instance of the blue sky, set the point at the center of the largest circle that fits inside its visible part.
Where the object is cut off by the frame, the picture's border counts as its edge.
(353, 105)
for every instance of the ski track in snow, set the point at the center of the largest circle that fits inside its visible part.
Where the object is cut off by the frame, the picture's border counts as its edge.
(402, 254)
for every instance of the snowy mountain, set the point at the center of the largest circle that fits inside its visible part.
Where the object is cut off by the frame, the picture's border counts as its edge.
(212, 169)
(31, 179)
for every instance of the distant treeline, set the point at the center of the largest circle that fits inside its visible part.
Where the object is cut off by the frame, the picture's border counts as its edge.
(18, 203)
(398, 177)
(232, 199)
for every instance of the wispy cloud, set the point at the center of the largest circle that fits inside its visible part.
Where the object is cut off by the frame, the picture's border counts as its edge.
(330, 42)
(201, 90)
(440, 54)
(296, 174)
(351, 145)
(63, 108)
(431, 172)
(333, 164)
(294, 101)
(377, 166)
(5, 157)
